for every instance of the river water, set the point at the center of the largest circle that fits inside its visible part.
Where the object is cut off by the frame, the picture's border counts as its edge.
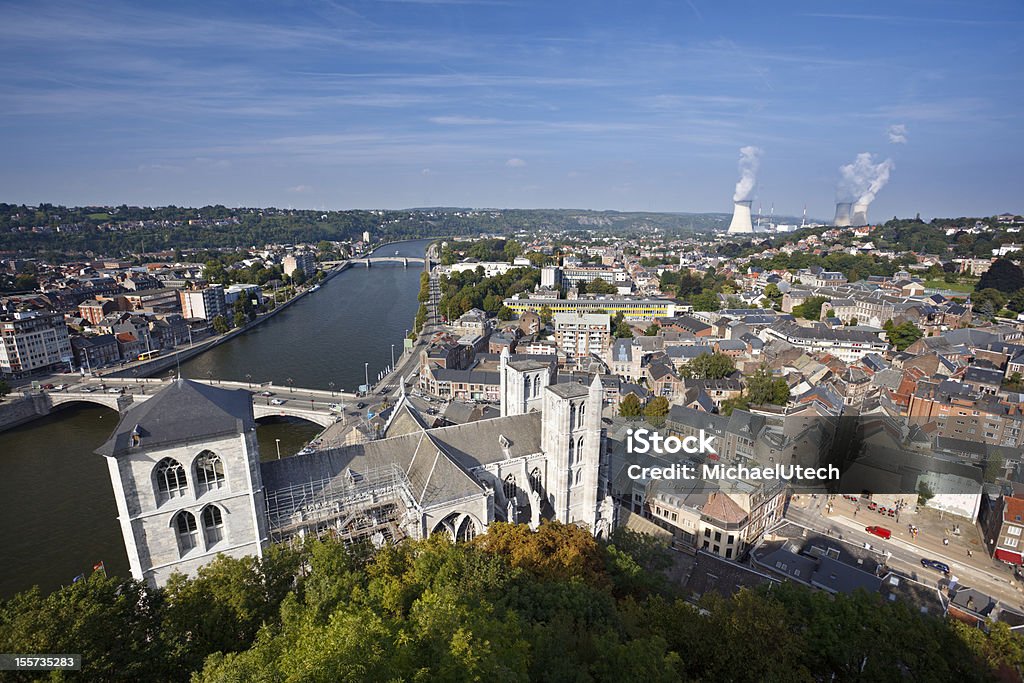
(57, 512)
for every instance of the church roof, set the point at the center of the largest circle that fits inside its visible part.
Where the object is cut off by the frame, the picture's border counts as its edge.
(184, 411)
(437, 462)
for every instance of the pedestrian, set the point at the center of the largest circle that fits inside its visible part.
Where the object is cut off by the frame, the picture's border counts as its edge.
(970, 553)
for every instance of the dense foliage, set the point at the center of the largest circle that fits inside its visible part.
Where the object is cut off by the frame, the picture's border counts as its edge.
(513, 605)
(469, 289)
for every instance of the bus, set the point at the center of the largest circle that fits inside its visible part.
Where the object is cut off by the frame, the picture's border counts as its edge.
(148, 355)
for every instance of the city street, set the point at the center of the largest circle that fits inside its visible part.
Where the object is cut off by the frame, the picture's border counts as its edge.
(905, 552)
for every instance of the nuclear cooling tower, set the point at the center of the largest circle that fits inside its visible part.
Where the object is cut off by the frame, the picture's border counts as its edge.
(842, 219)
(860, 215)
(741, 217)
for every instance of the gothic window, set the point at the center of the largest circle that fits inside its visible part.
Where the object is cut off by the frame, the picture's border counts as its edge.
(572, 451)
(467, 530)
(509, 487)
(581, 413)
(527, 389)
(209, 472)
(579, 477)
(185, 528)
(171, 481)
(579, 448)
(213, 525)
(572, 415)
(536, 386)
(537, 481)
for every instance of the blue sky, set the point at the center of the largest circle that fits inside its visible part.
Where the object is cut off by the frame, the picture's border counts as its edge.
(603, 105)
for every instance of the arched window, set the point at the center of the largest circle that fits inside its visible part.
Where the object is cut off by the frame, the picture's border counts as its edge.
(572, 451)
(579, 448)
(572, 415)
(213, 525)
(185, 528)
(171, 481)
(537, 481)
(579, 477)
(509, 487)
(467, 530)
(579, 415)
(536, 386)
(209, 472)
(527, 388)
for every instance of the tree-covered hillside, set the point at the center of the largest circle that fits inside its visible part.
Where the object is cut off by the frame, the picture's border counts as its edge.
(512, 605)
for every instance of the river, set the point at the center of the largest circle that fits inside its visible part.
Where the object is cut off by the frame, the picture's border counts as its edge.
(57, 512)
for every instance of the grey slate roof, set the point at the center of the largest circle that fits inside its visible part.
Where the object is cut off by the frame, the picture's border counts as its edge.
(180, 412)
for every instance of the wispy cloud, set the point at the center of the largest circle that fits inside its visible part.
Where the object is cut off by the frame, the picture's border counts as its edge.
(515, 162)
(897, 134)
(915, 20)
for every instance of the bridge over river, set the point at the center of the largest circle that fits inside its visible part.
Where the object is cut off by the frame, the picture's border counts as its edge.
(312, 405)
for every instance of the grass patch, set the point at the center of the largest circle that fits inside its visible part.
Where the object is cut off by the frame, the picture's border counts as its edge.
(100, 216)
(965, 287)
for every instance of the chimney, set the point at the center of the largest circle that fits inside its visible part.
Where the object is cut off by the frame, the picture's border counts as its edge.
(741, 218)
(860, 214)
(842, 219)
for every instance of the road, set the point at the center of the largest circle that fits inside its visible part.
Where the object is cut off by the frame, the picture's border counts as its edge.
(905, 555)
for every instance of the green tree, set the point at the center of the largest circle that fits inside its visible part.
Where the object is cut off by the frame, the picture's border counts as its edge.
(705, 301)
(220, 324)
(652, 330)
(240, 319)
(1003, 275)
(505, 313)
(903, 335)
(708, 366)
(630, 406)
(810, 309)
(656, 410)
(989, 301)
(1016, 301)
(599, 286)
(5, 388)
(763, 389)
(623, 331)
(546, 315)
(773, 292)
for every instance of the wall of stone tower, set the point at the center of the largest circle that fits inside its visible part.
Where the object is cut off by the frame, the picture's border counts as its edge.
(514, 383)
(574, 480)
(151, 540)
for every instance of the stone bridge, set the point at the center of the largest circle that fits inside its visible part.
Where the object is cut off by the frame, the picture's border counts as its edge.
(403, 260)
(309, 409)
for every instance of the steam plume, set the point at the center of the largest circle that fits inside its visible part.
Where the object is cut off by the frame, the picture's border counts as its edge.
(750, 159)
(863, 179)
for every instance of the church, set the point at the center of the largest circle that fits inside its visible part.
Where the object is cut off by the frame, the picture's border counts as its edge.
(186, 472)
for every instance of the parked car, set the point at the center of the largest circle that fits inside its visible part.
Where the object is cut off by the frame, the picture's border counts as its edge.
(935, 564)
(266, 393)
(879, 531)
(88, 390)
(360, 405)
(277, 402)
(115, 390)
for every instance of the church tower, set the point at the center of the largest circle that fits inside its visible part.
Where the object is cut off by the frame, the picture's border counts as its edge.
(571, 440)
(184, 465)
(522, 384)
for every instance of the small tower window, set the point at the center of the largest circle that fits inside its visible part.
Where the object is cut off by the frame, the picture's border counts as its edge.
(188, 535)
(209, 472)
(537, 481)
(579, 477)
(213, 525)
(580, 414)
(171, 481)
(572, 415)
(579, 448)
(572, 451)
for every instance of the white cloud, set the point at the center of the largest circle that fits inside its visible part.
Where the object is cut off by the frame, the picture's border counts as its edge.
(426, 171)
(300, 189)
(897, 134)
(515, 162)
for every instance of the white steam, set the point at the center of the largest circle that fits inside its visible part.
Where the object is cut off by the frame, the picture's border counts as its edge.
(863, 179)
(897, 134)
(750, 159)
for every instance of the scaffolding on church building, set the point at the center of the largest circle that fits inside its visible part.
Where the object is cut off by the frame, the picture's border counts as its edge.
(374, 505)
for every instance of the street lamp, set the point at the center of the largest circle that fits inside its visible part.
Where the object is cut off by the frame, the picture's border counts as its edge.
(366, 378)
(392, 356)
(248, 379)
(278, 448)
(291, 385)
(331, 385)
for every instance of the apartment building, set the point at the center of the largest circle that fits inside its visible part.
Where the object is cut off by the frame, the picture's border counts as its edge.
(958, 412)
(299, 260)
(206, 303)
(33, 341)
(580, 334)
(848, 345)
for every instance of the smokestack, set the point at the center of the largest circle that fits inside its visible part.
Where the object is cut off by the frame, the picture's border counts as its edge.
(741, 217)
(860, 214)
(842, 219)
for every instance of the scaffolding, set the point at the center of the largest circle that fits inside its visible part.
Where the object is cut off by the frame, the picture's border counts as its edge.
(374, 505)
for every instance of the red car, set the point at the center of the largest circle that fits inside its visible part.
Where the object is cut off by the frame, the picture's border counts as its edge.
(879, 531)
